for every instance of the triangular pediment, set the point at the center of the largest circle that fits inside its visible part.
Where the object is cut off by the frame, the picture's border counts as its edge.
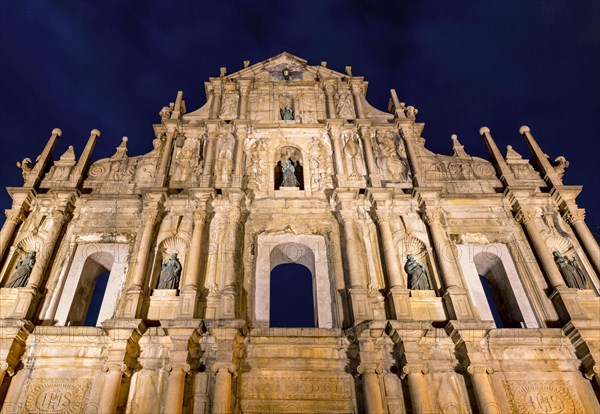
(276, 64)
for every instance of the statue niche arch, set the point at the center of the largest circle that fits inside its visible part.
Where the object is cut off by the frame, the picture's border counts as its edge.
(308, 251)
(294, 156)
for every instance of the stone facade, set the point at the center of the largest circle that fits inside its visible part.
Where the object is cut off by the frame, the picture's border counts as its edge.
(484, 318)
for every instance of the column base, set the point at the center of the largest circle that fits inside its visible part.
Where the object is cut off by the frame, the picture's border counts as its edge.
(399, 303)
(458, 304)
(359, 304)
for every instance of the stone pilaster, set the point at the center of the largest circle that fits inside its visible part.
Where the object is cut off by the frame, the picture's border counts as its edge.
(365, 132)
(486, 400)
(329, 86)
(357, 92)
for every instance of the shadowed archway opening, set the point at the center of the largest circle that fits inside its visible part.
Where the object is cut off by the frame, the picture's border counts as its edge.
(292, 300)
(93, 311)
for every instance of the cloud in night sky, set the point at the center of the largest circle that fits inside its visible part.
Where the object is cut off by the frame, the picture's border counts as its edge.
(112, 65)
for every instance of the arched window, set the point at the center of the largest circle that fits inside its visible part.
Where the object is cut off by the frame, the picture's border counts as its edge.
(92, 285)
(494, 285)
(285, 259)
(292, 298)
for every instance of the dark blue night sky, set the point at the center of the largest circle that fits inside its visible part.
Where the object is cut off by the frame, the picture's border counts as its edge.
(113, 65)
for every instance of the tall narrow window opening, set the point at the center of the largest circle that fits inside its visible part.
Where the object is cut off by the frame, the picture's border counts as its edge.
(292, 297)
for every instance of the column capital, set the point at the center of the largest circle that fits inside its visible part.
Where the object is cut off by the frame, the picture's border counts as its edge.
(329, 86)
(4, 366)
(357, 88)
(199, 216)
(524, 216)
(414, 369)
(174, 367)
(150, 216)
(369, 368)
(117, 366)
(224, 367)
(574, 216)
(592, 371)
(473, 369)
(15, 215)
(382, 216)
(434, 216)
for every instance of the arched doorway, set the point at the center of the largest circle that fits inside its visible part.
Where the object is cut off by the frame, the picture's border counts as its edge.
(310, 253)
(292, 297)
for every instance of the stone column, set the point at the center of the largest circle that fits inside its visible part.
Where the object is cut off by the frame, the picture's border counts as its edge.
(417, 387)
(527, 218)
(244, 89)
(241, 133)
(176, 388)
(413, 159)
(216, 103)
(483, 389)
(338, 153)
(37, 274)
(210, 155)
(13, 218)
(110, 389)
(456, 299)
(357, 91)
(395, 278)
(355, 272)
(358, 293)
(329, 91)
(371, 165)
(441, 244)
(221, 402)
(165, 157)
(149, 218)
(193, 264)
(575, 217)
(398, 294)
(372, 390)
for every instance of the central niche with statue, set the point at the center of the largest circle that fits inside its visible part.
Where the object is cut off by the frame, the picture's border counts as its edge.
(289, 172)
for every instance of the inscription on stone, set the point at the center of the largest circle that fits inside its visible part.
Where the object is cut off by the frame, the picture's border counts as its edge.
(548, 397)
(311, 388)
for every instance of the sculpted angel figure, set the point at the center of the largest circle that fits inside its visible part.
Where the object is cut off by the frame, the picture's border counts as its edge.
(171, 270)
(21, 275)
(417, 274)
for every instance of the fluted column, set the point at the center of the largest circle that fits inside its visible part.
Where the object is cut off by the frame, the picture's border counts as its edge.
(176, 388)
(484, 393)
(149, 217)
(527, 218)
(110, 389)
(417, 387)
(576, 218)
(13, 218)
(329, 91)
(357, 91)
(372, 390)
(221, 403)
